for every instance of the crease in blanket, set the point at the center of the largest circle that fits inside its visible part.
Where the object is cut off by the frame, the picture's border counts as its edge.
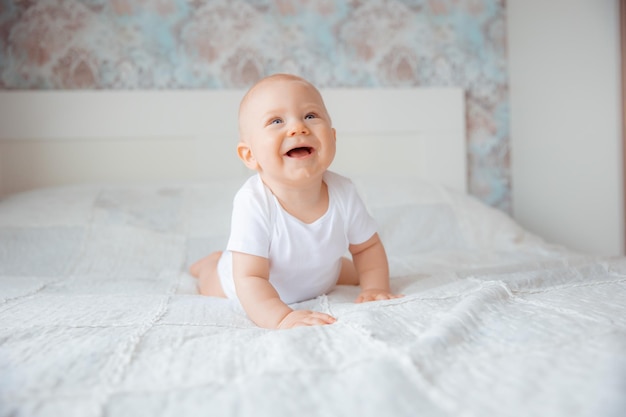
(611, 269)
(439, 399)
(324, 304)
(537, 286)
(568, 311)
(561, 275)
(125, 354)
(35, 290)
(86, 237)
(455, 326)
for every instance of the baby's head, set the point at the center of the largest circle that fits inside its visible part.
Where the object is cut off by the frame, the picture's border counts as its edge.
(285, 131)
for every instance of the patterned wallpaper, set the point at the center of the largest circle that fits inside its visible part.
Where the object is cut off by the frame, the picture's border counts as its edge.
(213, 44)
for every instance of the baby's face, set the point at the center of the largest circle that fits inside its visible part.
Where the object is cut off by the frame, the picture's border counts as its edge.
(286, 132)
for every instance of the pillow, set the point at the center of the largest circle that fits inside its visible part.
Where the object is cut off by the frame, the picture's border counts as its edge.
(416, 216)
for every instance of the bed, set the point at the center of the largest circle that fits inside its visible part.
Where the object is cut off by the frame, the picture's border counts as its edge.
(110, 196)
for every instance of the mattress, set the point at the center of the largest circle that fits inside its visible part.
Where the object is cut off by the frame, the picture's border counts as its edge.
(99, 316)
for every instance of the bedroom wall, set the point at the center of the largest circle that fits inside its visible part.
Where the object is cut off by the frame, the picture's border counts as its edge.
(566, 125)
(217, 44)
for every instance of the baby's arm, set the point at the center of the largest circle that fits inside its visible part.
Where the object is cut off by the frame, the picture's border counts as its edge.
(261, 301)
(370, 261)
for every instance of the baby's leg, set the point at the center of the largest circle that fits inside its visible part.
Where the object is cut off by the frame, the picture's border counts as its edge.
(348, 274)
(208, 279)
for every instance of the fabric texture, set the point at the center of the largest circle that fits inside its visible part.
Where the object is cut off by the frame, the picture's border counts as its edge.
(99, 317)
(305, 259)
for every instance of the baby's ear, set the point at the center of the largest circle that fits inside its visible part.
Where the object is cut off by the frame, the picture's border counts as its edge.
(245, 154)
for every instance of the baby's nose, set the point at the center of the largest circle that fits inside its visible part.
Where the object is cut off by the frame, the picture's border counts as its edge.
(298, 128)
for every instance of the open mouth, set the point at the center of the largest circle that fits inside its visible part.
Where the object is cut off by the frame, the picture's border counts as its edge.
(300, 152)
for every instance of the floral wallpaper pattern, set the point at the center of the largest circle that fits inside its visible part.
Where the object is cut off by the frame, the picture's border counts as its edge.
(215, 44)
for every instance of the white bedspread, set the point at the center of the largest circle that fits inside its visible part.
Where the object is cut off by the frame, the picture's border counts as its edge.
(98, 316)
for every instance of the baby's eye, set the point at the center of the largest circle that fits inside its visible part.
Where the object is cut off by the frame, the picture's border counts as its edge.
(310, 116)
(276, 121)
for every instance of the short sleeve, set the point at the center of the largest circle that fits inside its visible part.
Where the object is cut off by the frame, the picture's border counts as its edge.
(360, 225)
(250, 228)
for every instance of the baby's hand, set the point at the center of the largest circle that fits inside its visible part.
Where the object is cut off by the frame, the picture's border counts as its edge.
(376, 295)
(305, 318)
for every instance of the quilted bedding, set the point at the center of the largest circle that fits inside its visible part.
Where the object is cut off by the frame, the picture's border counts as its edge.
(99, 317)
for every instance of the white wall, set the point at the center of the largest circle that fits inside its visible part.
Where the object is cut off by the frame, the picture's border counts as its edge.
(566, 121)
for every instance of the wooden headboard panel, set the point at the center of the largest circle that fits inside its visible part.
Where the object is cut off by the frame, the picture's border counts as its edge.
(50, 138)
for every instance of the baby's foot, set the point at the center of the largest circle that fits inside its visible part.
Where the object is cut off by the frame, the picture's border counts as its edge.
(206, 262)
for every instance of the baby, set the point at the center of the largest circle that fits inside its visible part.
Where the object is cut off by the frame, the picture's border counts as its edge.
(293, 221)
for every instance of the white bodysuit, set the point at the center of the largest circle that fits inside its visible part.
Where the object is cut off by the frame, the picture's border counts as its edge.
(305, 259)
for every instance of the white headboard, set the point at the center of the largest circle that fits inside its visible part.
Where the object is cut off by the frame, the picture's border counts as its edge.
(62, 137)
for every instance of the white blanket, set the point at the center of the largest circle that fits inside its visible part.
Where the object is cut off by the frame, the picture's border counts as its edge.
(98, 316)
